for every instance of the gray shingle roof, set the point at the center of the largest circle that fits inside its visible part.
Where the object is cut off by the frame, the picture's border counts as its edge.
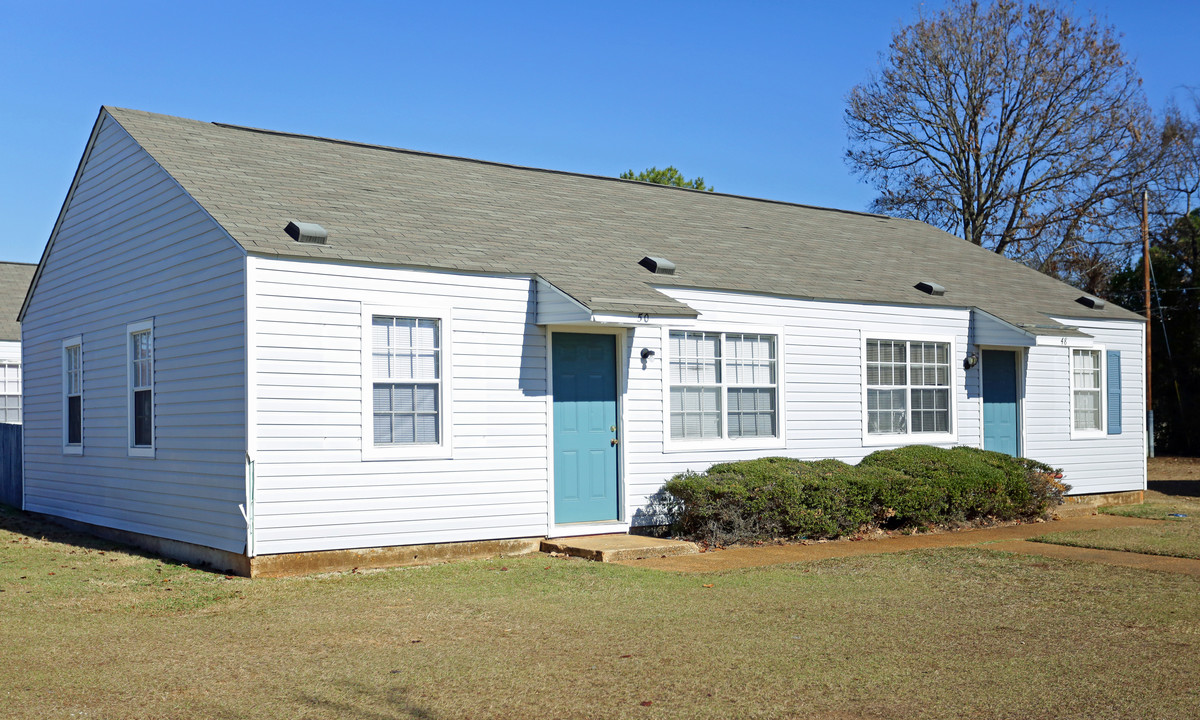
(583, 234)
(14, 282)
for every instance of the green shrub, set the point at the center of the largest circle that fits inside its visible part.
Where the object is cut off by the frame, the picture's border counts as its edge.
(953, 485)
(907, 487)
(772, 497)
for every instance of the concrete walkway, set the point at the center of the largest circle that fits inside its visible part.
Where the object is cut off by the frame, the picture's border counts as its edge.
(1012, 538)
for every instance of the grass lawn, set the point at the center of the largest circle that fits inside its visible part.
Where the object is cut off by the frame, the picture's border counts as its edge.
(1178, 486)
(89, 630)
(1175, 536)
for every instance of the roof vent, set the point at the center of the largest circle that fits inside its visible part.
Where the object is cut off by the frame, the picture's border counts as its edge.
(930, 288)
(658, 266)
(1089, 301)
(307, 233)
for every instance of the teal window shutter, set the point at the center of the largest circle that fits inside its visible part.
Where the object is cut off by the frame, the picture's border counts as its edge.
(1114, 392)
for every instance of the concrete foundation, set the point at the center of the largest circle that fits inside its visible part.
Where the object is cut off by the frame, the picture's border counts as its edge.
(287, 564)
(384, 557)
(1087, 504)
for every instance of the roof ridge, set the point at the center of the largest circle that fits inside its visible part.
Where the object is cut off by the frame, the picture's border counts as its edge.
(16, 262)
(529, 168)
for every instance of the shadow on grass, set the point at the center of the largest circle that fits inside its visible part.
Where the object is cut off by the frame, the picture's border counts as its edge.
(366, 702)
(44, 528)
(1181, 488)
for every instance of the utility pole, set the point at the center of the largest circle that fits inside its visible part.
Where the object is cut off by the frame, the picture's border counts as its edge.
(1146, 282)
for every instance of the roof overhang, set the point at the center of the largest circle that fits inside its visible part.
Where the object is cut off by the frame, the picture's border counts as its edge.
(987, 329)
(555, 307)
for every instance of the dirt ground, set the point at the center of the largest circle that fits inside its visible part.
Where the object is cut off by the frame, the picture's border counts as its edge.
(1178, 476)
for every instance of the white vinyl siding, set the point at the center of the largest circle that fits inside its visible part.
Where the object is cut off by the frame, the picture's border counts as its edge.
(131, 245)
(1092, 462)
(72, 414)
(320, 481)
(723, 385)
(10, 392)
(820, 386)
(908, 387)
(1087, 395)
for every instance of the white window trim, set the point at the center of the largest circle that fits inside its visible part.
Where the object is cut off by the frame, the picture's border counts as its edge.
(21, 379)
(1102, 431)
(139, 451)
(67, 448)
(910, 438)
(682, 445)
(444, 450)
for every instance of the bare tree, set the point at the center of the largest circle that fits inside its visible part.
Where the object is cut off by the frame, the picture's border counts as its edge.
(1019, 127)
(1178, 184)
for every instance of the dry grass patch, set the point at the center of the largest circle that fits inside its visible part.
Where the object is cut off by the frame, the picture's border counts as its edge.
(947, 633)
(1178, 535)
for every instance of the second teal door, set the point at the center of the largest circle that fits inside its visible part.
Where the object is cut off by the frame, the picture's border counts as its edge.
(1001, 418)
(585, 427)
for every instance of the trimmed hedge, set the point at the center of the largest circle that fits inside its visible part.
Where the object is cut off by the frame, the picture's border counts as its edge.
(911, 486)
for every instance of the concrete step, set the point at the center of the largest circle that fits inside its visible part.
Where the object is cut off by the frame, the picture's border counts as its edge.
(618, 547)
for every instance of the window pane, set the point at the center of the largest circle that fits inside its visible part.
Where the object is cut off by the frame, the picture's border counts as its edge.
(142, 421)
(74, 420)
(695, 412)
(403, 430)
(383, 429)
(405, 413)
(426, 428)
(426, 398)
(1087, 410)
(751, 412)
(402, 398)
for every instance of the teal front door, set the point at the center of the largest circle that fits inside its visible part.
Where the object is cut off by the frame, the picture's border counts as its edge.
(1001, 421)
(585, 427)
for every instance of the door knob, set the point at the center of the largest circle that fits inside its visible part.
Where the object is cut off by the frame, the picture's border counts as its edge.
(612, 442)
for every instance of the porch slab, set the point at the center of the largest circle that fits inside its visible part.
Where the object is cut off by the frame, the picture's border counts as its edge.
(618, 547)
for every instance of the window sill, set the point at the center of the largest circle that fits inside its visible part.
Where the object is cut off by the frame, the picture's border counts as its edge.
(673, 446)
(909, 439)
(72, 449)
(1088, 434)
(143, 452)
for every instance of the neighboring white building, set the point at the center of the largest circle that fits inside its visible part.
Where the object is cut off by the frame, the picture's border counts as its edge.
(263, 343)
(14, 284)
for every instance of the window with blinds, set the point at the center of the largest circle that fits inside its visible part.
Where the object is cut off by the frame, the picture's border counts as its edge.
(406, 379)
(1086, 389)
(908, 387)
(10, 392)
(722, 385)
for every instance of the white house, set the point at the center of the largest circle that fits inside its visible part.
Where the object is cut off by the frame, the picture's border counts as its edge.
(242, 345)
(14, 283)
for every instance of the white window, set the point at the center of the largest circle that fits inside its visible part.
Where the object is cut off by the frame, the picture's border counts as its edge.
(908, 385)
(723, 385)
(1087, 383)
(72, 386)
(140, 346)
(10, 392)
(406, 387)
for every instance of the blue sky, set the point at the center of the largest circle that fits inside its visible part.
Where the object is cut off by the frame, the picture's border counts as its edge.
(748, 95)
